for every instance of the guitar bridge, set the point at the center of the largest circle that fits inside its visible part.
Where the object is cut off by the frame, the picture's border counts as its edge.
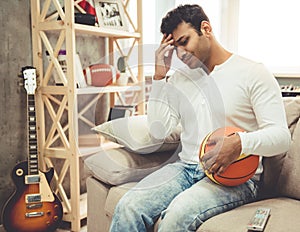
(33, 198)
(32, 179)
(34, 214)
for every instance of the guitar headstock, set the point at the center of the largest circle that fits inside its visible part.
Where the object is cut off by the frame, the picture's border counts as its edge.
(29, 75)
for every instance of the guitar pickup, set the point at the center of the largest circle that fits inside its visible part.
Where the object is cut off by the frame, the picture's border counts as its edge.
(34, 214)
(33, 198)
(34, 206)
(32, 179)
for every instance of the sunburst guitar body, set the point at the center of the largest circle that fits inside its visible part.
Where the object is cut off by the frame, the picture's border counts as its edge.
(33, 207)
(26, 211)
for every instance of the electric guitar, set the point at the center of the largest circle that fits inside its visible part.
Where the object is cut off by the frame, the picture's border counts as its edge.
(33, 207)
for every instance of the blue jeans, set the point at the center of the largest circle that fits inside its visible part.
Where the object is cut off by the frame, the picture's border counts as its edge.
(181, 195)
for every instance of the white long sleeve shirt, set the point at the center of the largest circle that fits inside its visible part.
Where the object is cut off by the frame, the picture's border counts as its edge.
(239, 93)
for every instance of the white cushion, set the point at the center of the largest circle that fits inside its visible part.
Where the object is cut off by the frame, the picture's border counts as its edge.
(118, 166)
(133, 133)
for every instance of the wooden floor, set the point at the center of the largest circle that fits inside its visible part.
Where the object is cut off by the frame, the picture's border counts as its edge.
(65, 226)
(83, 229)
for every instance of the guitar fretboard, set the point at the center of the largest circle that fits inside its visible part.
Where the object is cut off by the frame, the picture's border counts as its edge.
(33, 168)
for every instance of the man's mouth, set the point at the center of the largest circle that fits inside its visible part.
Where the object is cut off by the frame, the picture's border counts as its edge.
(187, 58)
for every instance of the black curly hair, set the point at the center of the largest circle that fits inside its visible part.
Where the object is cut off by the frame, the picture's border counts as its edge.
(192, 14)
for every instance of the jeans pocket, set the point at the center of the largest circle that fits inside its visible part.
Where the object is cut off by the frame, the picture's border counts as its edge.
(195, 224)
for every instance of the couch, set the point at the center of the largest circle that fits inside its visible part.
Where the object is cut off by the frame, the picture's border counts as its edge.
(113, 172)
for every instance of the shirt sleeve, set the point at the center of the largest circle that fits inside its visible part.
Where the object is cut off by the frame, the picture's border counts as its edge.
(162, 109)
(273, 136)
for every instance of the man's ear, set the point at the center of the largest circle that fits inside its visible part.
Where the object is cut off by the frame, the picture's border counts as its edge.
(205, 27)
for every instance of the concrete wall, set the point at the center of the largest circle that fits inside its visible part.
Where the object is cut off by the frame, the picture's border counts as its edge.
(16, 52)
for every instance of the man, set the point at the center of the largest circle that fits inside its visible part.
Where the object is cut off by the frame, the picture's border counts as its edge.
(216, 89)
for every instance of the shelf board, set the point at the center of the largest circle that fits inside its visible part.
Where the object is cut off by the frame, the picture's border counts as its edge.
(60, 152)
(287, 75)
(105, 32)
(53, 89)
(55, 152)
(108, 89)
(51, 25)
(85, 151)
(87, 29)
(107, 145)
(60, 90)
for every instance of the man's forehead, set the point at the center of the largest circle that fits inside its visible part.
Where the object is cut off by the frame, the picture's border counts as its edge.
(182, 31)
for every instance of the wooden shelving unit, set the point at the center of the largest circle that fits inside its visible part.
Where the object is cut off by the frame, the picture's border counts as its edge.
(57, 106)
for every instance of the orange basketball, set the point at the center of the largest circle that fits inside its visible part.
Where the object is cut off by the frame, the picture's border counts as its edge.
(240, 170)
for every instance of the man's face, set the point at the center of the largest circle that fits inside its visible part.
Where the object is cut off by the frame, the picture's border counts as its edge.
(192, 49)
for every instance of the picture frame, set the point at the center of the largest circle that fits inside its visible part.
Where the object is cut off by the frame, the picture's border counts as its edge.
(111, 14)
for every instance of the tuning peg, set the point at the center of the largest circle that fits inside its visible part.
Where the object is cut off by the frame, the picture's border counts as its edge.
(20, 75)
(20, 83)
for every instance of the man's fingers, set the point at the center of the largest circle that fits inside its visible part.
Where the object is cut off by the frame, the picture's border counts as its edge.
(219, 169)
(208, 164)
(168, 51)
(209, 159)
(214, 140)
(211, 142)
(209, 155)
(164, 49)
(165, 38)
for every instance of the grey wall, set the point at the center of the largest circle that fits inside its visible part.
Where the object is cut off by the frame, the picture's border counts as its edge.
(15, 52)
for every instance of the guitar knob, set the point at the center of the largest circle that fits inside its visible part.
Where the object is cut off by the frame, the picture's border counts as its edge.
(19, 172)
(55, 218)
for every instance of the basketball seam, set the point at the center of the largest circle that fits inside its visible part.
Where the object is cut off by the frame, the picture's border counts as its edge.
(246, 157)
(240, 177)
(218, 179)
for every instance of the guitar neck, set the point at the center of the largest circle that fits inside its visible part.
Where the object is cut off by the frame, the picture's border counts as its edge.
(33, 166)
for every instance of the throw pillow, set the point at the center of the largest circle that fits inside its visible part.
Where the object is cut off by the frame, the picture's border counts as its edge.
(133, 133)
(118, 166)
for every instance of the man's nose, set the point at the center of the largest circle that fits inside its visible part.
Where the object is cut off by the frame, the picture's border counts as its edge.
(181, 52)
